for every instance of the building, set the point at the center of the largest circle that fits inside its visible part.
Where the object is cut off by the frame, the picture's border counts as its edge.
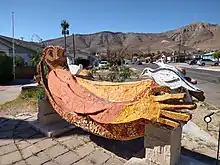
(83, 56)
(22, 48)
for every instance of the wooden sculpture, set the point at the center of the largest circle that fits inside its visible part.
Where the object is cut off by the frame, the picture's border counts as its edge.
(112, 110)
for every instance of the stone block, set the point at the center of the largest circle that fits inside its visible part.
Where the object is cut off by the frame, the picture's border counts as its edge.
(36, 138)
(22, 162)
(38, 159)
(23, 144)
(56, 151)
(44, 107)
(84, 150)
(6, 141)
(7, 149)
(51, 163)
(46, 143)
(162, 145)
(98, 157)
(49, 118)
(113, 161)
(29, 151)
(84, 161)
(52, 130)
(67, 158)
(138, 161)
(73, 142)
(46, 113)
(7, 159)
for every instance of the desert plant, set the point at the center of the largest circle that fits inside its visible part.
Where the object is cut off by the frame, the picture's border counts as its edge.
(115, 73)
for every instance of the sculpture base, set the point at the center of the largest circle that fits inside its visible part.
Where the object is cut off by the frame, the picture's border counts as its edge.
(52, 130)
(162, 146)
(48, 121)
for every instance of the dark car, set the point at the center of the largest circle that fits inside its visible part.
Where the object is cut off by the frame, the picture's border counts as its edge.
(138, 62)
(192, 62)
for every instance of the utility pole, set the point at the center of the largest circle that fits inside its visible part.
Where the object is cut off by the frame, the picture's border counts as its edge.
(74, 48)
(148, 49)
(179, 45)
(13, 45)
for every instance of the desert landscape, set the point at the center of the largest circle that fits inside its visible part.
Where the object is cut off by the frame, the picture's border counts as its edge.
(196, 36)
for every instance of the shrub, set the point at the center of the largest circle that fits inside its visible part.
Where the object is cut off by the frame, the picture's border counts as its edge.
(114, 74)
(34, 60)
(19, 61)
(6, 68)
(217, 54)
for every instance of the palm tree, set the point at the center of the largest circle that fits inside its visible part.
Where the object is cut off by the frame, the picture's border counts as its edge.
(65, 26)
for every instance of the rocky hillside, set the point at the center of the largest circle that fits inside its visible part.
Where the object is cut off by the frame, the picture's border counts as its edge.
(201, 36)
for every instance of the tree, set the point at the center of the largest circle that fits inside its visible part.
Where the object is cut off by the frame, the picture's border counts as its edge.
(217, 55)
(19, 61)
(35, 59)
(6, 66)
(65, 26)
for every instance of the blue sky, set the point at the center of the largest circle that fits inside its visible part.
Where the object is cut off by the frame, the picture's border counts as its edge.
(43, 17)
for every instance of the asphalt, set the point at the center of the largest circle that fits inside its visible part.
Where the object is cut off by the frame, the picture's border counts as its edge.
(208, 81)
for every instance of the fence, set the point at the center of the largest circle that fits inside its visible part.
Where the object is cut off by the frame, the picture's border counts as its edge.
(24, 72)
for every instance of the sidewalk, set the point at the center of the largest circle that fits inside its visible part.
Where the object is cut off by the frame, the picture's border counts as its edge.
(20, 145)
(9, 93)
(185, 65)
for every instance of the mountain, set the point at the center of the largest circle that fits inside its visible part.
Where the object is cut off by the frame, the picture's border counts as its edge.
(203, 36)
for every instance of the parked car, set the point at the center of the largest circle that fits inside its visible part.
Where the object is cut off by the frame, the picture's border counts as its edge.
(138, 62)
(103, 64)
(204, 62)
(192, 62)
(128, 62)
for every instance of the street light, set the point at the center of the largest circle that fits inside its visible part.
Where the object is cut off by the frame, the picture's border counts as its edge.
(208, 119)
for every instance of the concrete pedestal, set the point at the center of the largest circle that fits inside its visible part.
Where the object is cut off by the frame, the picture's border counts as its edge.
(162, 146)
(46, 113)
(49, 122)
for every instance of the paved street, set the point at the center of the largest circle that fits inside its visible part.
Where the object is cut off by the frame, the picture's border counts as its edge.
(9, 93)
(12, 90)
(208, 81)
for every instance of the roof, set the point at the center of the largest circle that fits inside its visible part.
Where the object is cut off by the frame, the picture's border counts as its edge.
(31, 46)
(5, 43)
(207, 54)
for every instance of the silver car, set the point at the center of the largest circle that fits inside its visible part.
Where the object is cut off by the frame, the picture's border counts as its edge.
(204, 62)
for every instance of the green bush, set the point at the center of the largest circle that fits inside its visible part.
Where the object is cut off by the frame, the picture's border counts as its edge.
(6, 68)
(19, 61)
(32, 93)
(34, 60)
(114, 74)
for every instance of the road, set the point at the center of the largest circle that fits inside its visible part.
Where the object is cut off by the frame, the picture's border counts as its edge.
(12, 90)
(208, 81)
